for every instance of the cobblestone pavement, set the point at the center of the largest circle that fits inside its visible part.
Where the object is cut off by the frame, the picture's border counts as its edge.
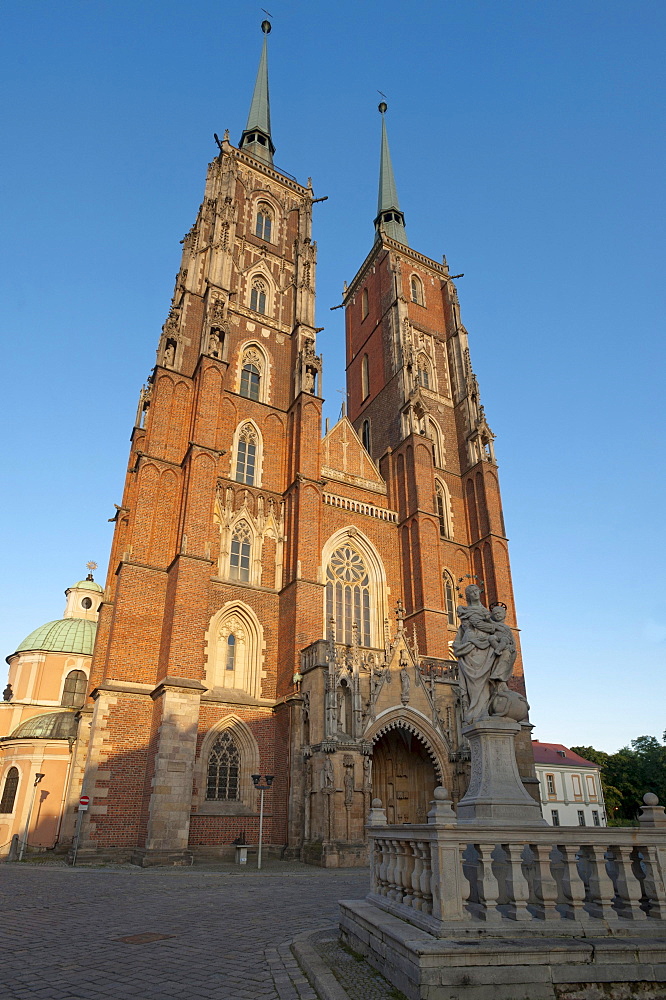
(226, 933)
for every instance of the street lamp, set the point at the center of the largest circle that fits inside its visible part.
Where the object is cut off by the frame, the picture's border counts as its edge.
(256, 779)
(24, 843)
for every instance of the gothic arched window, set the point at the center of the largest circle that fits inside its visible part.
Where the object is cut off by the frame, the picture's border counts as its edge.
(365, 435)
(250, 381)
(246, 455)
(365, 377)
(258, 296)
(9, 791)
(74, 691)
(348, 595)
(241, 552)
(449, 598)
(443, 511)
(263, 225)
(230, 663)
(423, 371)
(416, 290)
(364, 304)
(223, 776)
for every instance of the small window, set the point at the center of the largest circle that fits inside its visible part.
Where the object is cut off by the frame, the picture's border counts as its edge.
(449, 599)
(442, 502)
(417, 290)
(591, 786)
(231, 652)
(562, 753)
(9, 791)
(241, 549)
(74, 691)
(581, 818)
(264, 224)
(250, 381)
(364, 304)
(550, 784)
(365, 435)
(365, 377)
(223, 770)
(595, 818)
(86, 603)
(246, 456)
(258, 296)
(555, 816)
(577, 787)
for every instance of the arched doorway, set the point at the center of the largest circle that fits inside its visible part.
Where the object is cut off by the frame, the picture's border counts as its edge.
(403, 776)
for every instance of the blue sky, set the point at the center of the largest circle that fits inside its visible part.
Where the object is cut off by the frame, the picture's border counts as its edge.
(528, 146)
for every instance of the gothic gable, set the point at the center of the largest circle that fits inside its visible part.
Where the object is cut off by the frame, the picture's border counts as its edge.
(344, 458)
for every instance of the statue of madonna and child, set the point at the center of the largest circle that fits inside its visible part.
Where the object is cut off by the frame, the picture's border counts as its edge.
(486, 652)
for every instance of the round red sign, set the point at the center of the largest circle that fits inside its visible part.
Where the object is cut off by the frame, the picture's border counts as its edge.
(84, 800)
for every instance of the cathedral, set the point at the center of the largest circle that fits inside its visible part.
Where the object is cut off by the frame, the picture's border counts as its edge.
(280, 602)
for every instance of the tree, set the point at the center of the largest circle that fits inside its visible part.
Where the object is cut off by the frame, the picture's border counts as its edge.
(628, 774)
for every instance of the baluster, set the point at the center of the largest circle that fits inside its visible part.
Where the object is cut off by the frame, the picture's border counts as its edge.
(604, 883)
(390, 870)
(630, 886)
(654, 884)
(376, 879)
(399, 846)
(383, 867)
(426, 876)
(546, 890)
(576, 884)
(520, 891)
(488, 884)
(408, 868)
(417, 871)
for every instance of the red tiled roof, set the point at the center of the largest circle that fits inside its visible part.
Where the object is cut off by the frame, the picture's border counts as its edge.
(547, 753)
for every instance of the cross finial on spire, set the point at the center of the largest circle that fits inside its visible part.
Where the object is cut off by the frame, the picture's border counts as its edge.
(256, 139)
(389, 217)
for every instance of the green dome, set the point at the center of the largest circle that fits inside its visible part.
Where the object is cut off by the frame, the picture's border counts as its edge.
(53, 726)
(88, 585)
(69, 635)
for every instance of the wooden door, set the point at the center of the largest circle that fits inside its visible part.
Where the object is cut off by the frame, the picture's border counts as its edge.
(403, 777)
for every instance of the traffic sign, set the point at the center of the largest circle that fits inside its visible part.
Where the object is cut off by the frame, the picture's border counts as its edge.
(84, 802)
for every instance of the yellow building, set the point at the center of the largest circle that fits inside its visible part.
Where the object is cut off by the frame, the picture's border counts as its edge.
(39, 721)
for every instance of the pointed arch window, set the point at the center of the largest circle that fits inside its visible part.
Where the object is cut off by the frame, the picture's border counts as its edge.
(223, 778)
(74, 691)
(258, 296)
(230, 663)
(246, 455)
(423, 371)
(348, 595)
(449, 599)
(365, 309)
(443, 510)
(264, 225)
(365, 435)
(365, 377)
(417, 290)
(250, 381)
(241, 552)
(9, 791)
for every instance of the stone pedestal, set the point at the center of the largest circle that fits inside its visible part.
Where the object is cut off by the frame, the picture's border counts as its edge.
(496, 795)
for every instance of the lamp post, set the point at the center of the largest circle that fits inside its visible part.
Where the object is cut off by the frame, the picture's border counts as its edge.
(24, 843)
(256, 778)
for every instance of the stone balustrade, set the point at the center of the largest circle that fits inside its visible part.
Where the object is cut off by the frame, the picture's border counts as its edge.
(445, 875)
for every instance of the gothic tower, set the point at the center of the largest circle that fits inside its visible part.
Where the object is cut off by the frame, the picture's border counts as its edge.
(213, 559)
(247, 626)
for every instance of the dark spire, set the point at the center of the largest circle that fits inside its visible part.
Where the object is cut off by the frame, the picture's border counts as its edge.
(389, 216)
(256, 139)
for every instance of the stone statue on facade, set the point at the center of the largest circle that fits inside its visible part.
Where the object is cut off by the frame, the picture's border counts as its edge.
(486, 652)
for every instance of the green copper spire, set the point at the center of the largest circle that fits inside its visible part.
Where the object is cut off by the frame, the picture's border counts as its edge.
(256, 139)
(389, 216)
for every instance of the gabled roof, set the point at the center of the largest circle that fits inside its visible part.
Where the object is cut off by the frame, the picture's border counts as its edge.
(551, 753)
(344, 458)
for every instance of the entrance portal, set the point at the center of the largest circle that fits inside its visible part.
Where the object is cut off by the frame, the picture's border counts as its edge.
(403, 777)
